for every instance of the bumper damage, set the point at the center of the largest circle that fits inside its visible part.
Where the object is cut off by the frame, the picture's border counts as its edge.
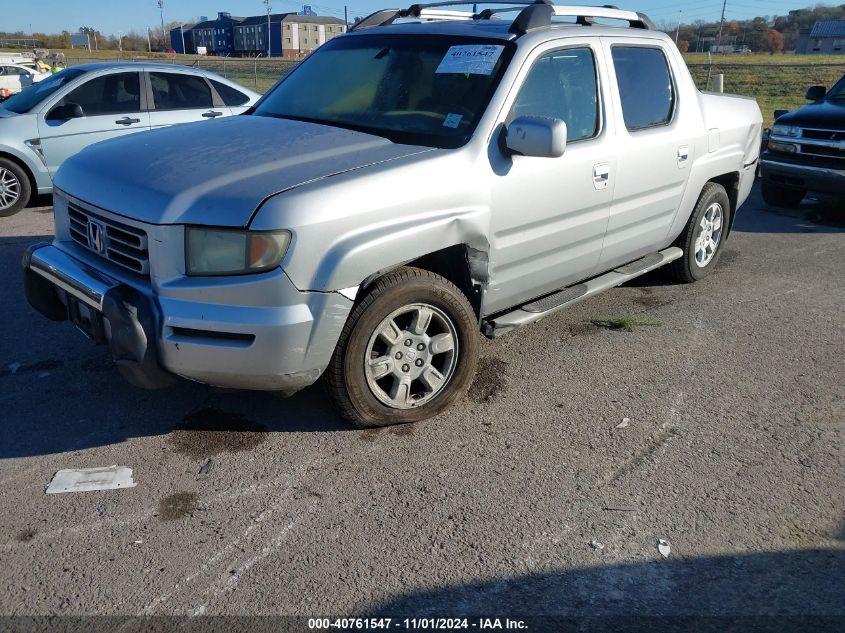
(60, 288)
(154, 338)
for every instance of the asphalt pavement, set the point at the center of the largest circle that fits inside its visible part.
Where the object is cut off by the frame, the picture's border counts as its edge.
(526, 499)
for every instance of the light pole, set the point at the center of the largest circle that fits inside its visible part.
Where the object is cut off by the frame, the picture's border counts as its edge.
(267, 6)
(678, 30)
(182, 32)
(161, 15)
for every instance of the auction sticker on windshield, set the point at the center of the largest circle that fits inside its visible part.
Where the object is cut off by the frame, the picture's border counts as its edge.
(475, 59)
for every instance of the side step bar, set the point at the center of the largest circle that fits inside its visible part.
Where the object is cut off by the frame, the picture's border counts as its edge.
(539, 308)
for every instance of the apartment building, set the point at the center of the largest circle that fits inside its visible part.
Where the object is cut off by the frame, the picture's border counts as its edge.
(290, 35)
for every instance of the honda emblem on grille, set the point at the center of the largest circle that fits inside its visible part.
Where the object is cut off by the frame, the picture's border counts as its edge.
(96, 236)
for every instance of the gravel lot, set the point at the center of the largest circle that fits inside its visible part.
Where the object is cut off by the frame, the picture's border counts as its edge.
(250, 504)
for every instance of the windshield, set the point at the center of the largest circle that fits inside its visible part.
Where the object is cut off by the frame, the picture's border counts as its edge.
(27, 99)
(423, 90)
(838, 90)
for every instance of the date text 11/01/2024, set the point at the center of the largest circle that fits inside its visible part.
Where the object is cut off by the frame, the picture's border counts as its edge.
(416, 624)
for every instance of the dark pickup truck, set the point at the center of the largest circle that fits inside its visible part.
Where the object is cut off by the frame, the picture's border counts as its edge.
(806, 149)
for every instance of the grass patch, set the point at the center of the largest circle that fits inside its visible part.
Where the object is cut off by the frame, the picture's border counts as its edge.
(627, 324)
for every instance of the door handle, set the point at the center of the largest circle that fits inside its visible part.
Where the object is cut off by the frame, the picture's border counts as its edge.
(683, 155)
(127, 121)
(601, 174)
(211, 114)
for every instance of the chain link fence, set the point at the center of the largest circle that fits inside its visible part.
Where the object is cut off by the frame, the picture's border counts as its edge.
(257, 74)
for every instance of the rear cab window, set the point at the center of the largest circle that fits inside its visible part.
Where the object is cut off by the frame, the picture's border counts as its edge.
(646, 89)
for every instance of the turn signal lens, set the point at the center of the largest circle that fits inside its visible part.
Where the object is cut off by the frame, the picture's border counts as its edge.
(789, 148)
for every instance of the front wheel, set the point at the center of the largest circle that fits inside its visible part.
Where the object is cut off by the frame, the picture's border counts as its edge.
(703, 236)
(14, 188)
(407, 352)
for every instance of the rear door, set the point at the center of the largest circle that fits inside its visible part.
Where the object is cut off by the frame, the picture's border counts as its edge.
(654, 148)
(113, 105)
(181, 97)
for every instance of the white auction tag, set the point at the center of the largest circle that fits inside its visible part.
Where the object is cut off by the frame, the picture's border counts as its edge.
(475, 59)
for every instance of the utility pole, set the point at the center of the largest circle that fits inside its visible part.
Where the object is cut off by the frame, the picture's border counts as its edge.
(678, 30)
(345, 17)
(721, 22)
(182, 32)
(268, 7)
(161, 14)
(149, 43)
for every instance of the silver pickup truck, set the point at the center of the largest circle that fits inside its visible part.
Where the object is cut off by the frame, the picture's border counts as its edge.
(429, 175)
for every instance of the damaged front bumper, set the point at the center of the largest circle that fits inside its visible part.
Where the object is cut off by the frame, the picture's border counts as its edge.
(153, 337)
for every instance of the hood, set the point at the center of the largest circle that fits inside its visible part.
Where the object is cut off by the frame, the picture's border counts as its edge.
(215, 172)
(6, 113)
(828, 115)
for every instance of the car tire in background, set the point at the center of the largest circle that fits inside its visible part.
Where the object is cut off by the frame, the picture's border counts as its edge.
(407, 352)
(15, 188)
(704, 235)
(779, 196)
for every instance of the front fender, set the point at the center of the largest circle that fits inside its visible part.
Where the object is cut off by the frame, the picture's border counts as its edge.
(33, 163)
(354, 225)
(377, 249)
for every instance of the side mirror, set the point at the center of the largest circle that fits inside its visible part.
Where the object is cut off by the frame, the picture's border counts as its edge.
(539, 136)
(66, 112)
(779, 113)
(816, 93)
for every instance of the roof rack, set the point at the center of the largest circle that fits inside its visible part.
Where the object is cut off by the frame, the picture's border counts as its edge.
(533, 14)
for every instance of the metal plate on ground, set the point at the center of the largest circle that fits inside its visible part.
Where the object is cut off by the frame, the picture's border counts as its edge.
(88, 479)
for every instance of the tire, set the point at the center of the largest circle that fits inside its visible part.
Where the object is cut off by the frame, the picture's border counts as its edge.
(390, 390)
(776, 195)
(15, 188)
(698, 260)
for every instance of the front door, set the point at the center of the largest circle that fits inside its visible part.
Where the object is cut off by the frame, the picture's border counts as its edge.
(111, 105)
(549, 214)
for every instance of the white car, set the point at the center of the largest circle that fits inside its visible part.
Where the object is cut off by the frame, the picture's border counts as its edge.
(14, 77)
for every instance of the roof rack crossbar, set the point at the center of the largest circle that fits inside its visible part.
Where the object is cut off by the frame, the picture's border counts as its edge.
(533, 14)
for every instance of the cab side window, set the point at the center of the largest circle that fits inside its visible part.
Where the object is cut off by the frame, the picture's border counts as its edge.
(179, 91)
(562, 84)
(116, 93)
(645, 86)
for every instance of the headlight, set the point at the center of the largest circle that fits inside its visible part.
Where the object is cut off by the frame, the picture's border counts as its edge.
(785, 130)
(233, 252)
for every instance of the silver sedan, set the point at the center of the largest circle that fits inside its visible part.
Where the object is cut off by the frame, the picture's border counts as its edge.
(54, 119)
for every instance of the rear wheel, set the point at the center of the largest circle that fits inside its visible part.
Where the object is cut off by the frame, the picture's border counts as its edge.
(703, 236)
(407, 352)
(14, 188)
(779, 196)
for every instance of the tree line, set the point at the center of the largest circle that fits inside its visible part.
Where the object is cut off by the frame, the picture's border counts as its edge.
(771, 34)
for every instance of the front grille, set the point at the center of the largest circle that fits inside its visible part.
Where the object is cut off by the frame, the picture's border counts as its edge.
(824, 135)
(124, 245)
(822, 150)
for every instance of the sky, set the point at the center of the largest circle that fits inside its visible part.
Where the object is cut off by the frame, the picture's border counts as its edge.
(119, 16)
